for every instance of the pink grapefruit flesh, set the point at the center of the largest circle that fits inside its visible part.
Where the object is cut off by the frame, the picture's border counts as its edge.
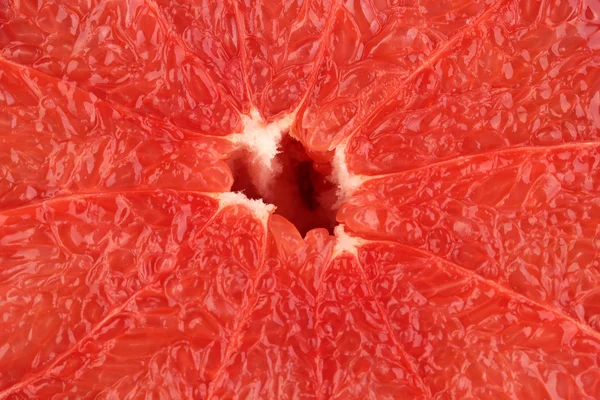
(318, 199)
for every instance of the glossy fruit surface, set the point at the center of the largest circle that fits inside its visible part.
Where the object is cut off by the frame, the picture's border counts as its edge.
(446, 153)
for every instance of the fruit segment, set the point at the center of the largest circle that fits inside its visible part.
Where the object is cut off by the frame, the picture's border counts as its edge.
(57, 139)
(373, 47)
(474, 339)
(526, 219)
(276, 356)
(283, 44)
(123, 294)
(71, 271)
(210, 31)
(122, 51)
(361, 357)
(526, 76)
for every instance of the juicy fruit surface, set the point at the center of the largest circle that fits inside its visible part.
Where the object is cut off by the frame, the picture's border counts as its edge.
(468, 264)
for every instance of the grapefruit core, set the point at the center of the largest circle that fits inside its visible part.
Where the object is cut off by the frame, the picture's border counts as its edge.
(270, 164)
(299, 199)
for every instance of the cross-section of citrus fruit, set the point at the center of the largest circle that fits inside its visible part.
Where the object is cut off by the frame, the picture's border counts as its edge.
(307, 199)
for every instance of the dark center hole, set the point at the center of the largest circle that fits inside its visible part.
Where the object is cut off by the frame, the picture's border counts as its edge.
(300, 188)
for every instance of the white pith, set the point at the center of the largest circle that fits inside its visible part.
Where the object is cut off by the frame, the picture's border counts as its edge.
(261, 141)
(346, 181)
(344, 243)
(260, 210)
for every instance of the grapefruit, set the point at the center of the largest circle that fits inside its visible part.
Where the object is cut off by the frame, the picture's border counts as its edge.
(318, 199)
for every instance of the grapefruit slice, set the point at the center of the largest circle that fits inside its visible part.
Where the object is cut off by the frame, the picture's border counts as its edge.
(299, 200)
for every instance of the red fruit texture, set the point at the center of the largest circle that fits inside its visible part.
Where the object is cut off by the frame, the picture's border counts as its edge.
(300, 199)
